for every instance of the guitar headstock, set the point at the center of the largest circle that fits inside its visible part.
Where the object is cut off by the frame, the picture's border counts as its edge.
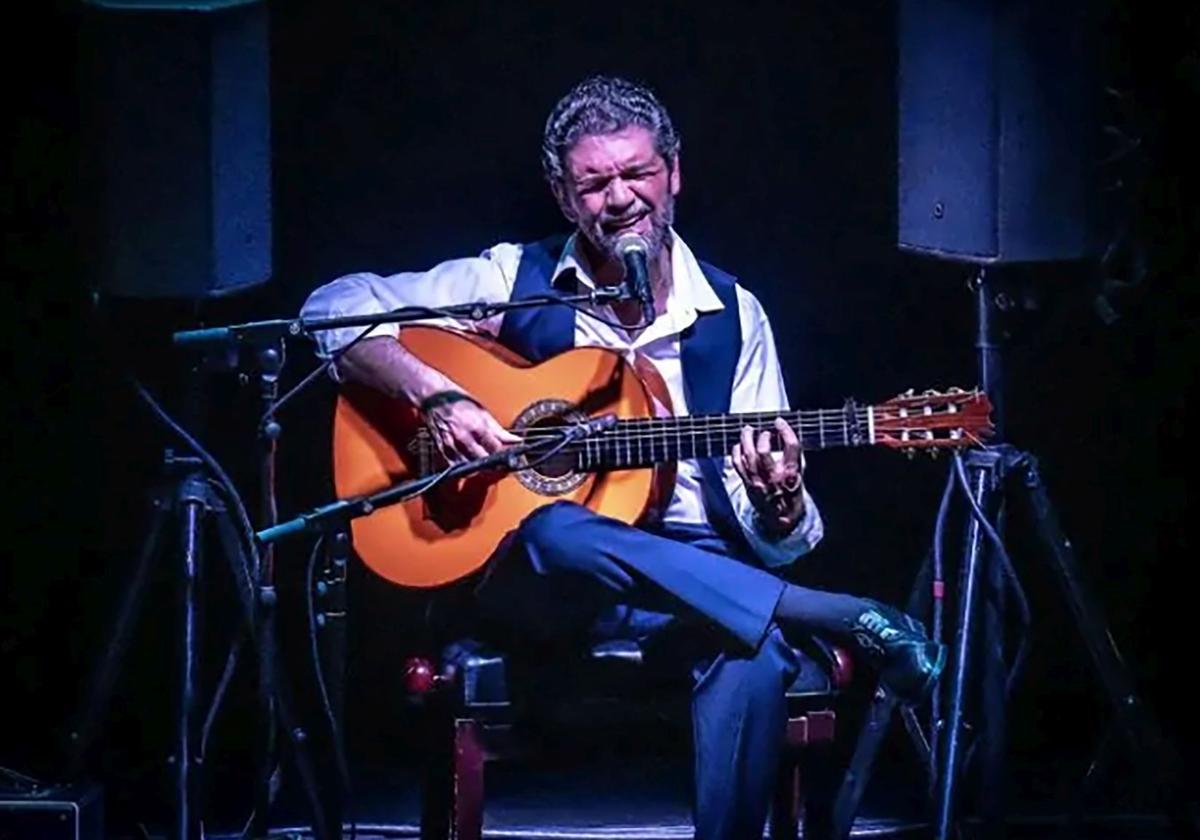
(934, 420)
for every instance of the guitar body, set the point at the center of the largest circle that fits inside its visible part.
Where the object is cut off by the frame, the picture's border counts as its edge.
(451, 531)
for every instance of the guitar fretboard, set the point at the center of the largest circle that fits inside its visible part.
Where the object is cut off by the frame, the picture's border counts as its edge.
(647, 441)
(909, 423)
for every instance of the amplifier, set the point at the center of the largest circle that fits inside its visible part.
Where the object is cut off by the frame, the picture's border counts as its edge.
(58, 813)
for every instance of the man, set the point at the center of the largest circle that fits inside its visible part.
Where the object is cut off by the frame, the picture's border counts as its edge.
(611, 156)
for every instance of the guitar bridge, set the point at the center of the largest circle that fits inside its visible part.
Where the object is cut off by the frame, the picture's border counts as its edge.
(421, 450)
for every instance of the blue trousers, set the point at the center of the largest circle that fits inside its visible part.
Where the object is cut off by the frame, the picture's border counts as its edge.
(567, 571)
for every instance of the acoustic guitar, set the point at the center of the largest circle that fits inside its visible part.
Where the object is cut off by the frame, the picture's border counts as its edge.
(626, 472)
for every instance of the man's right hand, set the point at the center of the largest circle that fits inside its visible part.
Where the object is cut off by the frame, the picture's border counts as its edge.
(463, 430)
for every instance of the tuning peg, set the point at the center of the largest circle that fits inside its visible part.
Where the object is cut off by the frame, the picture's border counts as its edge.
(933, 453)
(911, 452)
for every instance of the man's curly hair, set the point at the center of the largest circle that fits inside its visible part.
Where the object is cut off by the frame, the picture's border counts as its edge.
(603, 105)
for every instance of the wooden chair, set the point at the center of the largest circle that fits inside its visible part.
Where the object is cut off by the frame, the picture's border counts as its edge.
(474, 719)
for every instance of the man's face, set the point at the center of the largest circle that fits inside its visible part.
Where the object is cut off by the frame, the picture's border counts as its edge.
(618, 183)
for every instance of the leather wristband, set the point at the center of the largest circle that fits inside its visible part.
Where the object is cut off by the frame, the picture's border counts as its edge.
(444, 398)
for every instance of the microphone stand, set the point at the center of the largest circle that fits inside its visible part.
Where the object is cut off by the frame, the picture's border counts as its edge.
(267, 338)
(259, 332)
(508, 458)
(270, 363)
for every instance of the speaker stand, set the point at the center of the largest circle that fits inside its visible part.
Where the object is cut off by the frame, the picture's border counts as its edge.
(987, 578)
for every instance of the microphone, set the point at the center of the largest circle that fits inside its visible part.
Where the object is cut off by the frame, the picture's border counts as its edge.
(634, 251)
(594, 425)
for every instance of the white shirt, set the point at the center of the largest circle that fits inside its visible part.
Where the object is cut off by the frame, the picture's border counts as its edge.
(758, 380)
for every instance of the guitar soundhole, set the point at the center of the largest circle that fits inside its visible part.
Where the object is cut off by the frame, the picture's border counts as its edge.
(549, 474)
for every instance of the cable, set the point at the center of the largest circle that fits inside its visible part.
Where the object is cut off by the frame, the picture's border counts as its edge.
(939, 560)
(242, 571)
(338, 742)
(328, 363)
(19, 781)
(567, 438)
(1006, 562)
(231, 662)
(427, 484)
(435, 312)
(1010, 573)
(209, 461)
(300, 386)
(938, 590)
(641, 324)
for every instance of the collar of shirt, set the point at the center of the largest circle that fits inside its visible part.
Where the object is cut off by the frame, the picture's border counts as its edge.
(689, 294)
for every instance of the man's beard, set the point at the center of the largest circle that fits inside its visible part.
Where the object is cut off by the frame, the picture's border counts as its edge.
(658, 237)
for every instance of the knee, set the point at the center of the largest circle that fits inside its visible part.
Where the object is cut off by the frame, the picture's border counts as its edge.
(549, 533)
(762, 677)
(771, 670)
(549, 525)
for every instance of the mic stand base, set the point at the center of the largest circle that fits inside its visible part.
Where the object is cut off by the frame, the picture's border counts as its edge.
(184, 509)
(180, 512)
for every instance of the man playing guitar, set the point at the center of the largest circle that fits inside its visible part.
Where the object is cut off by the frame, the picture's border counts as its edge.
(728, 524)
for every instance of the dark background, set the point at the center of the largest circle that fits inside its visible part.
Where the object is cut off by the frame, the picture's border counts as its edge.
(408, 133)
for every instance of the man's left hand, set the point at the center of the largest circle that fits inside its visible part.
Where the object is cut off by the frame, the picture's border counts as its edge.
(775, 484)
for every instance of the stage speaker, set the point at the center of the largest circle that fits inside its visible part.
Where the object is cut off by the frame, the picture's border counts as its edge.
(177, 115)
(67, 813)
(998, 129)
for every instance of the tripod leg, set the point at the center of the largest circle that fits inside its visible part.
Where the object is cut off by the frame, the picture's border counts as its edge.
(331, 657)
(1144, 737)
(104, 676)
(259, 613)
(928, 597)
(268, 661)
(187, 770)
(875, 728)
(858, 773)
(332, 591)
(982, 480)
(268, 777)
(1100, 764)
(993, 701)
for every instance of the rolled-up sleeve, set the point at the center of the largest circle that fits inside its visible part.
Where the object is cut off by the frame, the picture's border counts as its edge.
(484, 279)
(759, 386)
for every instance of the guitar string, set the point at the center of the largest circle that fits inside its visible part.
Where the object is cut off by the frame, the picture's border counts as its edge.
(830, 423)
(815, 426)
(610, 455)
(812, 434)
(806, 416)
(635, 429)
(721, 421)
(653, 429)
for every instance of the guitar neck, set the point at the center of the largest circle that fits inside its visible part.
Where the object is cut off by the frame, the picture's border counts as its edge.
(647, 441)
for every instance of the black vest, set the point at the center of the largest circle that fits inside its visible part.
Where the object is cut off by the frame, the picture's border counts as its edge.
(709, 348)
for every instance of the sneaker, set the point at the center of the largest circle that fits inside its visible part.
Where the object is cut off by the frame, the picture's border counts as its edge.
(909, 663)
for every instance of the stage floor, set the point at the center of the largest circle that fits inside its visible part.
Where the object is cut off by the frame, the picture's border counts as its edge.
(649, 801)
